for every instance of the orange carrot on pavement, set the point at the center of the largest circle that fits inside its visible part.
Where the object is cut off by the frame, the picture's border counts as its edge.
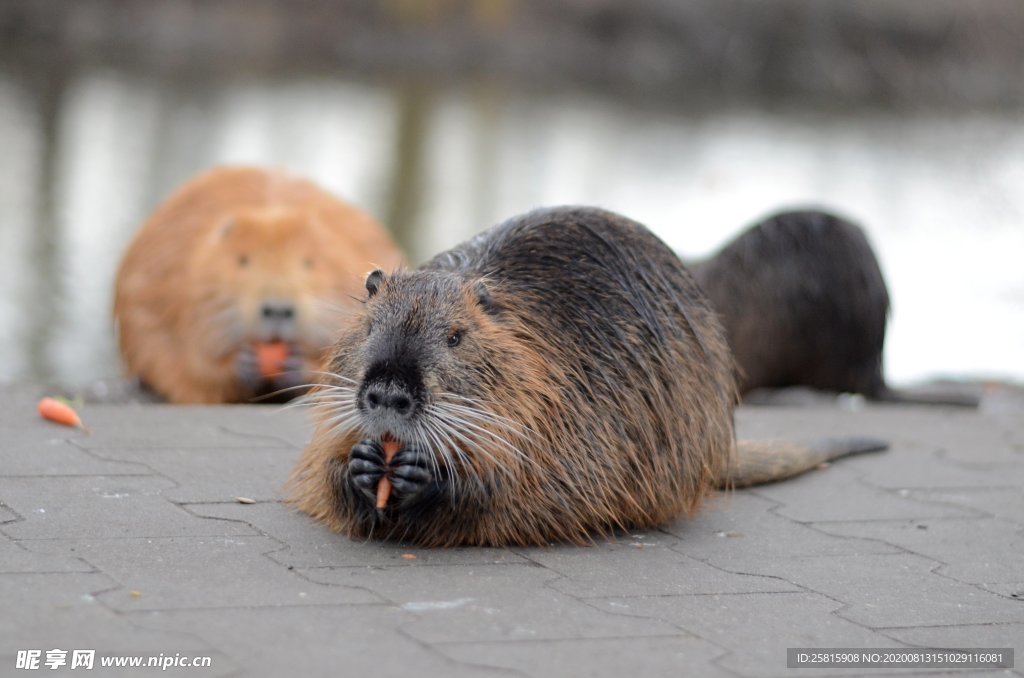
(60, 412)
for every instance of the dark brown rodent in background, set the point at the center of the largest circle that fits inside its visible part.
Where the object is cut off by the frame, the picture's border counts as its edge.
(804, 303)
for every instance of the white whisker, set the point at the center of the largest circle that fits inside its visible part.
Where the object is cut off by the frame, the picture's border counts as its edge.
(484, 413)
(454, 419)
(486, 417)
(452, 429)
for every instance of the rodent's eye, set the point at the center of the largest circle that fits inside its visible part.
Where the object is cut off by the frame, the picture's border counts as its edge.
(455, 338)
(243, 260)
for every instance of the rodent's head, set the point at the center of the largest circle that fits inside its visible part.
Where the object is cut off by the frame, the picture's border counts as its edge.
(427, 361)
(266, 275)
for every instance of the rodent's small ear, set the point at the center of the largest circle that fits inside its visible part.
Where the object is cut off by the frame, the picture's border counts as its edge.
(374, 280)
(484, 298)
(226, 226)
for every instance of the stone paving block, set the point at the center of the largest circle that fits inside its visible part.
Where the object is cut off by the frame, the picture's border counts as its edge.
(178, 426)
(36, 594)
(895, 590)
(7, 515)
(203, 474)
(291, 424)
(916, 465)
(200, 572)
(896, 425)
(487, 603)
(653, 569)
(990, 441)
(1006, 503)
(755, 629)
(58, 611)
(964, 435)
(1013, 590)
(973, 551)
(308, 544)
(330, 641)
(16, 559)
(807, 423)
(679, 655)
(56, 456)
(973, 636)
(836, 493)
(100, 507)
(741, 528)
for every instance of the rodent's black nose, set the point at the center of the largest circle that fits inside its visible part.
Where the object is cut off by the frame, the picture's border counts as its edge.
(394, 398)
(278, 310)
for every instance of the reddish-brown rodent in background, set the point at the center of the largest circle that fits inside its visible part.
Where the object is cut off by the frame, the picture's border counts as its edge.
(237, 284)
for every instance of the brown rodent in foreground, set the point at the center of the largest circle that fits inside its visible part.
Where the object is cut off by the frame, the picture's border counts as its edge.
(804, 303)
(559, 376)
(236, 261)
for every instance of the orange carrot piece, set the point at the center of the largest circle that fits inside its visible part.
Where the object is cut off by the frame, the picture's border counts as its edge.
(271, 356)
(384, 487)
(60, 412)
(383, 492)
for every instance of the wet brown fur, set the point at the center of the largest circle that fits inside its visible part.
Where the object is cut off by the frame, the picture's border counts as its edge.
(593, 340)
(184, 304)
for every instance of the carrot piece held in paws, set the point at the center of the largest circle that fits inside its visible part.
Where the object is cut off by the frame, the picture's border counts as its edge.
(384, 487)
(383, 492)
(270, 357)
(60, 412)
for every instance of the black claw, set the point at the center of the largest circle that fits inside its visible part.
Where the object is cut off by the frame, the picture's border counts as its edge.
(410, 456)
(412, 474)
(364, 466)
(368, 450)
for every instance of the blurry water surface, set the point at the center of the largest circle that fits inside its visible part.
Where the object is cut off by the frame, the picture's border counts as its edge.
(88, 151)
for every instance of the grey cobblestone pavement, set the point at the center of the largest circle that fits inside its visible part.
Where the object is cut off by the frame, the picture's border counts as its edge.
(131, 541)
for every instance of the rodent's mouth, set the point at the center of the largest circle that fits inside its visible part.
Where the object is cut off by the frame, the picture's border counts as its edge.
(390, 430)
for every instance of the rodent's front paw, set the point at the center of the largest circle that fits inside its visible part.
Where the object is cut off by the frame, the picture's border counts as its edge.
(410, 474)
(411, 477)
(366, 466)
(247, 367)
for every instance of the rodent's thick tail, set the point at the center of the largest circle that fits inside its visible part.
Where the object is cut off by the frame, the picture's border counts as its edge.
(762, 461)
